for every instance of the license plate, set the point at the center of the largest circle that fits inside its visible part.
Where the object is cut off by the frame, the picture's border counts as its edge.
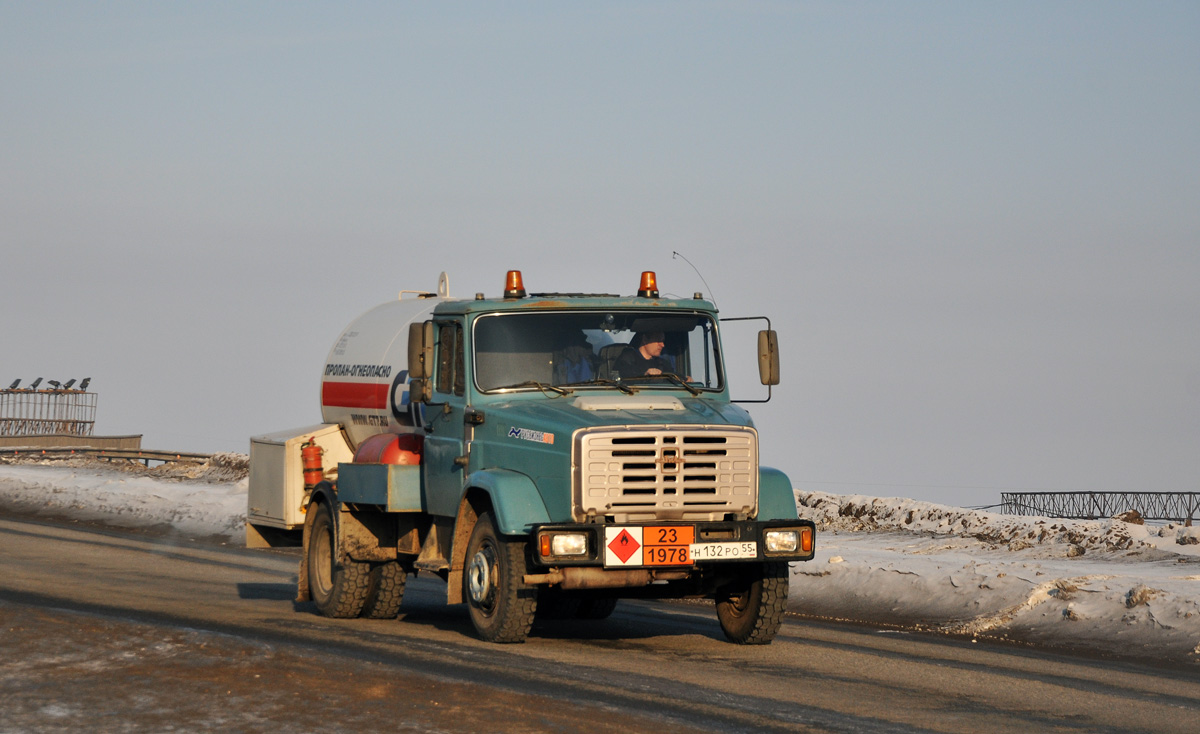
(650, 545)
(723, 551)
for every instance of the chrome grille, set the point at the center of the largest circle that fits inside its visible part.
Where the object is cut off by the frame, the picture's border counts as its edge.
(675, 472)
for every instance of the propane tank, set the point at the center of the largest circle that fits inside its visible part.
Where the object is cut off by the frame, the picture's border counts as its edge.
(364, 383)
(389, 448)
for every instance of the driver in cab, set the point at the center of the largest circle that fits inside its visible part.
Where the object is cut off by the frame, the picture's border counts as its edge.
(644, 356)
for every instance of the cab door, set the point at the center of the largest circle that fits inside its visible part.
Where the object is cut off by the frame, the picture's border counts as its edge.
(445, 445)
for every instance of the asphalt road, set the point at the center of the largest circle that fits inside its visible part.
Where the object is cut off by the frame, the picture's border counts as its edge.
(111, 632)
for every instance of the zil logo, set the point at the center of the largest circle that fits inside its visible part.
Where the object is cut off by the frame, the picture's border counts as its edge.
(526, 434)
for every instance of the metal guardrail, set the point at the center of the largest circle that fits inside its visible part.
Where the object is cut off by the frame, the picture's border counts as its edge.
(143, 455)
(1169, 506)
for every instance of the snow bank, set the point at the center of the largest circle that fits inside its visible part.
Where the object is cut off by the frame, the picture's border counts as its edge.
(1051, 537)
(1104, 586)
(201, 500)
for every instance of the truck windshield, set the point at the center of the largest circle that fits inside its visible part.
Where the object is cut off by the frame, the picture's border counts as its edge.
(597, 349)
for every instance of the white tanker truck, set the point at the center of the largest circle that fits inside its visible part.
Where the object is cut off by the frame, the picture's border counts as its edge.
(545, 454)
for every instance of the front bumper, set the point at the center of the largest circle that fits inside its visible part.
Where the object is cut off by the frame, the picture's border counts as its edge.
(671, 546)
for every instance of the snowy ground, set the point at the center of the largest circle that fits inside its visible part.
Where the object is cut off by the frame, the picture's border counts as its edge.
(1106, 586)
(1103, 586)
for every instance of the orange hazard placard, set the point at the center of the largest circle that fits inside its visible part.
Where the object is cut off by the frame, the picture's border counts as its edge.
(667, 545)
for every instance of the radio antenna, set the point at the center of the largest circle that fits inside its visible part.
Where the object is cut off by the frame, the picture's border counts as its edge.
(675, 254)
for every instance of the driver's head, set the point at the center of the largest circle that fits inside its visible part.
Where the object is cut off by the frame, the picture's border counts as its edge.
(652, 342)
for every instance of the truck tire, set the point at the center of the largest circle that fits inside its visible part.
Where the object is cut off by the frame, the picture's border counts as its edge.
(554, 603)
(751, 609)
(385, 590)
(501, 604)
(338, 589)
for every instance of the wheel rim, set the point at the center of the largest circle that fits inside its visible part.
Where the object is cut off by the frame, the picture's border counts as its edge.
(321, 565)
(481, 578)
(737, 604)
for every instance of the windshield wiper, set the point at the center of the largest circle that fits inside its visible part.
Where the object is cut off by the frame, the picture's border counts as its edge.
(674, 378)
(604, 381)
(534, 383)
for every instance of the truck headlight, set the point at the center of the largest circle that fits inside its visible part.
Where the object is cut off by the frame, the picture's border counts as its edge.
(568, 544)
(782, 541)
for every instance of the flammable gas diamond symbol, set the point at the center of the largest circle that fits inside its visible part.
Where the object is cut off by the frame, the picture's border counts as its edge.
(624, 546)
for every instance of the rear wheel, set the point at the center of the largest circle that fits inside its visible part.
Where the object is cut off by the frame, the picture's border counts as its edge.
(501, 604)
(385, 590)
(596, 607)
(338, 589)
(554, 603)
(750, 610)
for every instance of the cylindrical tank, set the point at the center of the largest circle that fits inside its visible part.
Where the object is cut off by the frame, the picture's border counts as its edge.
(364, 384)
(388, 448)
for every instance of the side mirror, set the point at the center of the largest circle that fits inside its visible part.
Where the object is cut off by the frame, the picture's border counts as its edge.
(768, 357)
(420, 360)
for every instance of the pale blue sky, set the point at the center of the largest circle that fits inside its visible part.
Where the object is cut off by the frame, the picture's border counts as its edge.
(976, 226)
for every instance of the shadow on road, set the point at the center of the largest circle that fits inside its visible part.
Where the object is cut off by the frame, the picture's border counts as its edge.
(273, 592)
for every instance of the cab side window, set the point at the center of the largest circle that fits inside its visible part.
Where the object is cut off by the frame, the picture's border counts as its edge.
(451, 369)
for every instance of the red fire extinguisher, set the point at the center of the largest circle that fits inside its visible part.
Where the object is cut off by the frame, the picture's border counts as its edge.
(314, 473)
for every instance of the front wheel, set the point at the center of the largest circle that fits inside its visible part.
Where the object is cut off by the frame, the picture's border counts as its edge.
(501, 604)
(338, 589)
(750, 610)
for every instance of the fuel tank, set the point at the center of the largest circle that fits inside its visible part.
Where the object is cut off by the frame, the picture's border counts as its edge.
(364, 383)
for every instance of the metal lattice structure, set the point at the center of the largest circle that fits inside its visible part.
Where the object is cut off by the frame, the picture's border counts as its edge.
(1176, 506)
(47, 412)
